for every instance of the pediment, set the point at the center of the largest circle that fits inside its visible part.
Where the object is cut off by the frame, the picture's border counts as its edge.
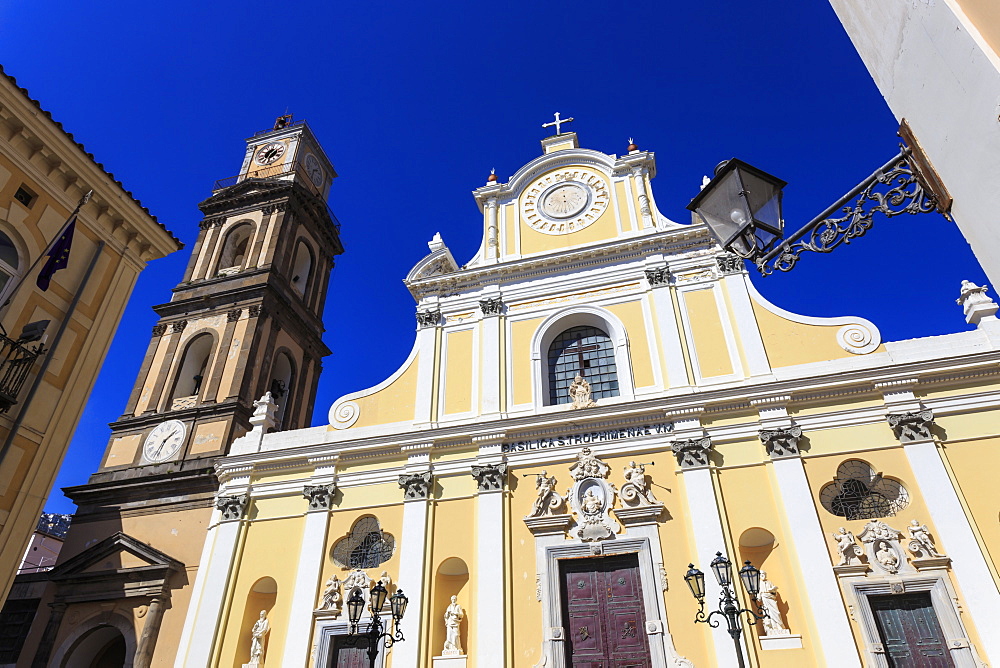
(439, 262)
(116, 554)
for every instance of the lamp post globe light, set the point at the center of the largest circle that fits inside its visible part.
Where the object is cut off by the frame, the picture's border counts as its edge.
(728, 604)
(376, 631)
(741, 205)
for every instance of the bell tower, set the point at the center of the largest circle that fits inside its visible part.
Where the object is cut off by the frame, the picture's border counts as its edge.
(247, 318)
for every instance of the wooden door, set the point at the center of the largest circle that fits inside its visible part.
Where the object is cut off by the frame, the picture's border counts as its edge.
(603, 613)
(910, 631)
(354, 655)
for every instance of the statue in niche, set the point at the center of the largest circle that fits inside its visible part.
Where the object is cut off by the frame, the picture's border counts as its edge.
(547, 501)
(332, 598)
(588, 466)
(848, 548)
(579, 392)
(887, 556)
(921, 540)
(636, 490)
(260, 629)
(590, 504)
(769, 601)
(453, 617)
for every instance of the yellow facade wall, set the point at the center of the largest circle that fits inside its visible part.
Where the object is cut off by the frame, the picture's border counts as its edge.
(630, 313)
(457, 383)
(709, 336)
(788, 343)
(394, 403)
(521, 332)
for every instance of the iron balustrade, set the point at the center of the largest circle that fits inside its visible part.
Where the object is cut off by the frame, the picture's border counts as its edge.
(16, 360)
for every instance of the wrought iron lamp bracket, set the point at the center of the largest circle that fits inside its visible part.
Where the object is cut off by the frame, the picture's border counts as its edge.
(892, 190)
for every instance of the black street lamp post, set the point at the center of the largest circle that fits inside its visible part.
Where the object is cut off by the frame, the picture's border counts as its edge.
(728, 604)
(376, 631)
(741, 206)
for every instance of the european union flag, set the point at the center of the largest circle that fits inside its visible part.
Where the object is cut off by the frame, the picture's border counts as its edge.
(58, 256)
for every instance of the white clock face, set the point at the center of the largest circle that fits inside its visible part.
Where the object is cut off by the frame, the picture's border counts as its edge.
(314, 170)
(269, 153)
(164, 441)
(564, 201)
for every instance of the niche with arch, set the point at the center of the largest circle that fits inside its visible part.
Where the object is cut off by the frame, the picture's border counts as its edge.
(302, 264)
(107, 640)
(451, 579)
(191, 372)
(282, 377)
(262, 596)
(233, 256)
(757, 545)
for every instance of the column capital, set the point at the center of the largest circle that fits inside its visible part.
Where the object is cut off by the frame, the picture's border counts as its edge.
(659, 276)
(729, 263)
(428, 318)
(320, 496)
(492, 306)
(692, 452)
(416, 485)
(781, 442)
(232, 507)
(490, 477)
(910, 427)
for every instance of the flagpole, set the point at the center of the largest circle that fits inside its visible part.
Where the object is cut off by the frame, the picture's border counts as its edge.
(24, 276)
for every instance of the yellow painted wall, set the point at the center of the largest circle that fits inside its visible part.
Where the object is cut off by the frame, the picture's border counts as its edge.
(630, 313)
(604, 228)
(457, 382)
(394, 403)
(709, 336)
(521, 332)
(788, 343)
(449, 545)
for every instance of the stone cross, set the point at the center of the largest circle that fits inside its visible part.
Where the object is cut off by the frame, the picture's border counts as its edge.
(558, 122)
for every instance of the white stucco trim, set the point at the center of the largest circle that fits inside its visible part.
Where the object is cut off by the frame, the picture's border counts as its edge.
(809, 547)
(412, 558)
(307, 577)
(491, 642)
(957, 540)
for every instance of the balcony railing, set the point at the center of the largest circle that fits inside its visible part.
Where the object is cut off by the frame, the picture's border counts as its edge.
(16, 360)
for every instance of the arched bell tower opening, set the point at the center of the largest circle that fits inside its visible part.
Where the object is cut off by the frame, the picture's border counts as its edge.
(191, 373)
(233, 257)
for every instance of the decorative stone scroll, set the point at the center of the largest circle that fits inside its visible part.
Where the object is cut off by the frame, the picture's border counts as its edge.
(781, 442)
(729, 263)
(660, 276)
(548, 502)
(491, 306)
(848, 548)
(232, 507)
(692, 452)
(636, 491)
(416, 485)
(910, 427)
(921, 544)
(332, 600)
(428, 318)
(490, 477)
(591, 498)
(320, 496)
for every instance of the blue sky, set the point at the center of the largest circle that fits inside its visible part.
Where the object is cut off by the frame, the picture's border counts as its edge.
(416, 102)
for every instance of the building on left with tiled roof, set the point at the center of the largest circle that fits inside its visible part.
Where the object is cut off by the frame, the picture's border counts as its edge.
(45, 382)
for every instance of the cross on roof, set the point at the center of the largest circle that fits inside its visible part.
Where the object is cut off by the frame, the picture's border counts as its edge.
(557, 123)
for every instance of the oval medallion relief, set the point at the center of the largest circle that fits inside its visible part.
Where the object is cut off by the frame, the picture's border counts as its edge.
(564, 201)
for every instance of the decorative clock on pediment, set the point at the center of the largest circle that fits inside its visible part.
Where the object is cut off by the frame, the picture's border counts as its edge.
(269, 153)
(564, 201)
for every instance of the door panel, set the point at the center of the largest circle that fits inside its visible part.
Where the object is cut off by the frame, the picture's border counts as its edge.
(603, 613)
(910, 631)
(344, 656)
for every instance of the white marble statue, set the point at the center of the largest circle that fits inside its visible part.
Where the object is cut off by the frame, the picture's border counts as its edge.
(920, 534)
(547, 499)
(260, 629)
(636, 489)
(579, 392)
(591, 504)
(887, 556)
(769, 600)
(453, 617)
(847, 547)
(332, 598)
(385, 580)
(588, 466)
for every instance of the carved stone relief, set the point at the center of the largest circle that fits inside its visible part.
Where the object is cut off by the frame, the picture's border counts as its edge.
(320, 496)
(848, 548)
(660, 276)
(428, 318)
(416, 485)
(910, 427)
(781, 442)
(232, 507)
(591, 498)
(490, 478)
(692, 452)
(921, 544)
(548, 501)
(882, 547)
(332, 599)
(491, 306)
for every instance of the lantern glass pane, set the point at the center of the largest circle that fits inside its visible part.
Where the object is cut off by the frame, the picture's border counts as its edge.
(723, 209)
(355, 606)
(696, 582)
(399, 602)
(750, 577)
(378, 597)
(763, 195)
(722, 569)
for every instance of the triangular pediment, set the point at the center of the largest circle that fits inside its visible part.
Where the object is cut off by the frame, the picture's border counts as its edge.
(116, 553)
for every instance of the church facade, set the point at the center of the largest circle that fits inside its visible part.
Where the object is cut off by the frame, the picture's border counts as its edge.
(596, 400)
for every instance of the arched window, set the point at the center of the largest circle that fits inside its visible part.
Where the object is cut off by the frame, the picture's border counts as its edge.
(301, 267)
(366, 546)
(858, 492)
(587, 351)
(10, 264)
(192, 371)
(235, 248)
(281, 386)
